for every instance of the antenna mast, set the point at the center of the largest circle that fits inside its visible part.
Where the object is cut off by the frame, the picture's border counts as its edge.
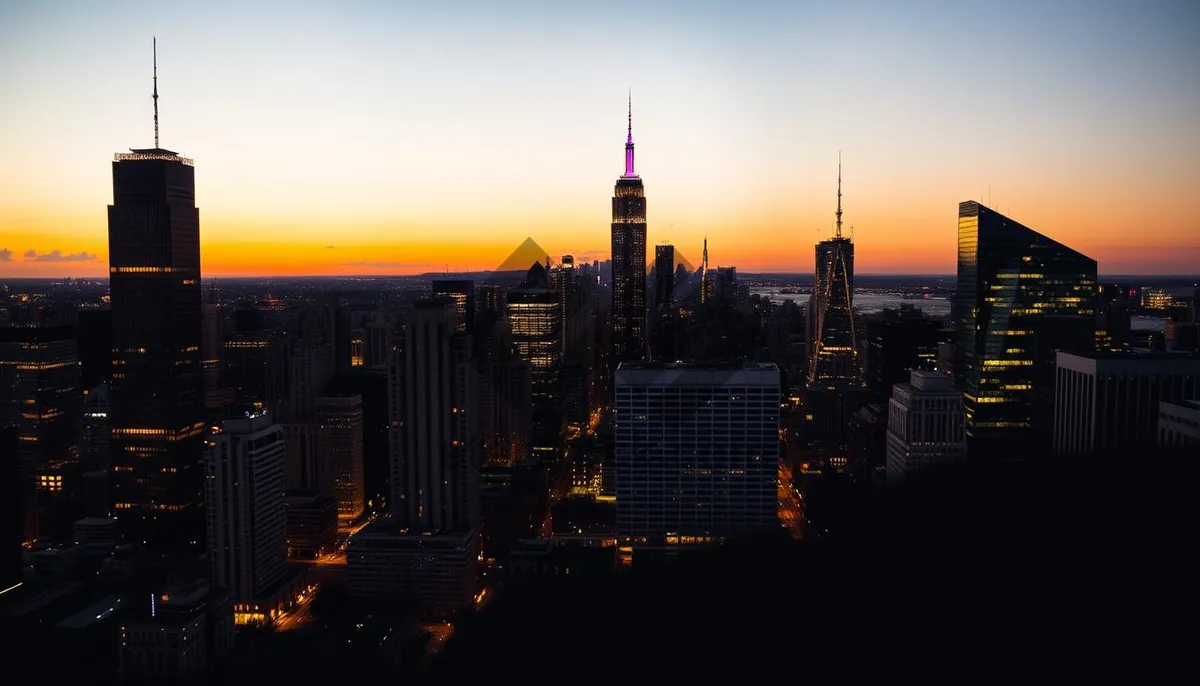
(839, 206)
(155, 92)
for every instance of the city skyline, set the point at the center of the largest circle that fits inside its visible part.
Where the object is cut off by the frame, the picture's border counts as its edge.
(391, 141)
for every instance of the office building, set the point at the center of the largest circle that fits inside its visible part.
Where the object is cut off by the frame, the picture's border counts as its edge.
(462, 293)
(40, 395)
(157, 388)
(341, 427)
(629, 260)
(1108, 404)
(535, 320)
(247, 547)
(697, 451)
(925, 425)
(1021, 297)
(1179, 425)
(833, 348)
(428, 549)
(176, 634)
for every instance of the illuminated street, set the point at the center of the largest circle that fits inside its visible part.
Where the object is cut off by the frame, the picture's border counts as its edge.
(298, 617)
(791, 508)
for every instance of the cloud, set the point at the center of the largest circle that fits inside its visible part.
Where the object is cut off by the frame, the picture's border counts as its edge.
(330, 247)
(57, 256)
(5, 255)
(386, 265)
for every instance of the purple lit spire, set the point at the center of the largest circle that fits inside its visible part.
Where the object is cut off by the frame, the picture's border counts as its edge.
(629, 140)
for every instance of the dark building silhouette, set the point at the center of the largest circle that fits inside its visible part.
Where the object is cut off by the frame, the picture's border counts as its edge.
(1021, 297)
(427, 550)
(629, 261)
(94, 332)
(664, 274)
(40, 395)
(898, 342)
(10, 508)
(158, 392)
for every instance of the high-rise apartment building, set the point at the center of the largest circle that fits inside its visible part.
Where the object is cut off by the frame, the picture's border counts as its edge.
(925, 426)
(1108, 404)
(244, 507)
(697, 451)
(629, 260)
(157, 386)
(341, 444)
(1020, 298)
(427, 550)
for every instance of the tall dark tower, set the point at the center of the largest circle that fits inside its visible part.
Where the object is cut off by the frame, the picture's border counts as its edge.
(629, 260)
(832, 353)
(664, 274)
(157, 388)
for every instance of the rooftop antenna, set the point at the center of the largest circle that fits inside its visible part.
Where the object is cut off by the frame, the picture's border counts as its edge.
(156, 92)
(839, 206)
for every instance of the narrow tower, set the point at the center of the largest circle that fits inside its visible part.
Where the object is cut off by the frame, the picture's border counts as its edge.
(833, 357)
(629, 259)
(157, 410)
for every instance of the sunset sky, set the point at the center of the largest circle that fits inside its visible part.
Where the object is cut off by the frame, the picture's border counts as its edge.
(402, 137)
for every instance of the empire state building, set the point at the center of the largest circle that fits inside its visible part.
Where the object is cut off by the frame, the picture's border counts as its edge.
(629, 260)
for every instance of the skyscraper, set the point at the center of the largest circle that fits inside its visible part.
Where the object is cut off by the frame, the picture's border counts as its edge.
(664, 274)
(157, 388)
(535, 318)
(244, 509)
(428, 548)
(462, 292)
(1020, 298)
(697, 451)
(341, 444)
(629, 260)
(833, 349)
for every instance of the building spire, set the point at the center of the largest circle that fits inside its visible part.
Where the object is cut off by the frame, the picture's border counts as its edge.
(629, 140)
(155, 92)
(839, 205)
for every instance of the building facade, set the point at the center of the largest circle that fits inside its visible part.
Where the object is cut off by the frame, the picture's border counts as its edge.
(1020, 298)
(427, 551)
(925, 426)
(341, 436)
(244, 506)
(697, 451)
(1108, 404)
(1179, 425)
(40, 395)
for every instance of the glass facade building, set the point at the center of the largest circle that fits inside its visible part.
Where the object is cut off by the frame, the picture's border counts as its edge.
(1020, 298)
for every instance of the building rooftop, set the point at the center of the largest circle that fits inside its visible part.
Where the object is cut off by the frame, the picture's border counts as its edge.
(698, 366)
(95, 612)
